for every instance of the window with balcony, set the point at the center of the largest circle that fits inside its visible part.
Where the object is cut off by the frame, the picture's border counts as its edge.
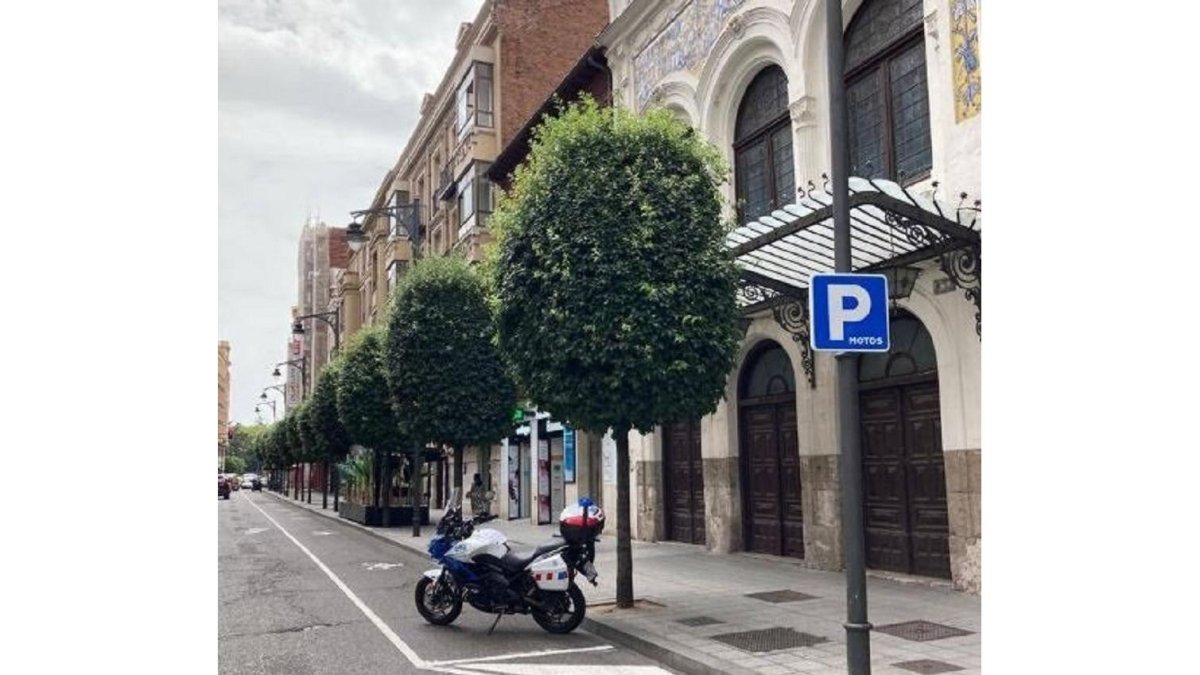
(473, 104)
(474, 197)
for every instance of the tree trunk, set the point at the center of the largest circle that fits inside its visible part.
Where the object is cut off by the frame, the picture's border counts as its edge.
(414, 480)
(325, 486)
(458, 468)
(624, 543)
(378, 480)
(296, 482)
(308, 465)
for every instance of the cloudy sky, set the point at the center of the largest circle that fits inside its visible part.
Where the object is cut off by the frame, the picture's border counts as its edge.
(316, 100)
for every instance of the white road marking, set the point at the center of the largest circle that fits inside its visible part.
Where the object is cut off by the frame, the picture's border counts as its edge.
(407, 651)
(445, 666)
(256, 530)
(321, 533)
(522, 655)
(574, 669)
(371, 567)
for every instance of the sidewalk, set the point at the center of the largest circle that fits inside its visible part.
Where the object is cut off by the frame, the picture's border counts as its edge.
(700, 615)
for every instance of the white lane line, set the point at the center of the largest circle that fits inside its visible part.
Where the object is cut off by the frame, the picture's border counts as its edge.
(407, 651)
(521, 655)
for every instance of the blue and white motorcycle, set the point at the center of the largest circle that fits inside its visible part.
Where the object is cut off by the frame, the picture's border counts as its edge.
(479, 567)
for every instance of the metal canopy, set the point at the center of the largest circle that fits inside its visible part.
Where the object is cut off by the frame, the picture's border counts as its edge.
(890, 228)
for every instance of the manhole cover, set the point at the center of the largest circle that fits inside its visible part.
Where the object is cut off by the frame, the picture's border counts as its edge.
(769, 639)
(922, 631)
(781, 596)
(928, 666)
(699, 621)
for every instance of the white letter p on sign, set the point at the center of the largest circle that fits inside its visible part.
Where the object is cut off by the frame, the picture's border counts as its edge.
(840, 314)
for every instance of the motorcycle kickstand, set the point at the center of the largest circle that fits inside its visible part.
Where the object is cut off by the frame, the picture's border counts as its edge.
(498, 616)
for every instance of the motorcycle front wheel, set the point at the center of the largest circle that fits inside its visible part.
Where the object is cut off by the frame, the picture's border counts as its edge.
(436, 603)
(564, 611)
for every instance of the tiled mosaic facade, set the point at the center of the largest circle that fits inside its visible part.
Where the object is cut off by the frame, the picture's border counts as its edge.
(683, 44)
(964, 39)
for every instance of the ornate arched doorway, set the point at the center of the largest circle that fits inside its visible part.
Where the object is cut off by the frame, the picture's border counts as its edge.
(769, 453)
(904, 474)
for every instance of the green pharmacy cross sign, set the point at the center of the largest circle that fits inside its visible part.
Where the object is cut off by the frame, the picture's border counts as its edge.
(519, 415)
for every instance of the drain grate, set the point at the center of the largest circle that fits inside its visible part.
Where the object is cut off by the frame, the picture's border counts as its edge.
(928, 666)
(781, 596)
(699, 621)
(922, 631)
(769, 639)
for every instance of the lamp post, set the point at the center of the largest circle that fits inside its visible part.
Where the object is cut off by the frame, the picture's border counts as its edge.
(335, 324)
(300, 364)
(407, 225)
(266, 401)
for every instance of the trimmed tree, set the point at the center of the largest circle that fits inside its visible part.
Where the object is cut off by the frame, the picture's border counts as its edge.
(443, 366)
(293, 451)
(616, 292)
(364, 402)
(330, 437)
(308, 442)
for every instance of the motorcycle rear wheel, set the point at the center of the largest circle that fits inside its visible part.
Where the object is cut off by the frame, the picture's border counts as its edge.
(570, 605)
(441, 613)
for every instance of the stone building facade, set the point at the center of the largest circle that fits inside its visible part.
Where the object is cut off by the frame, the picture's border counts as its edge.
(222, 400)
(761, 473)
(507, 61)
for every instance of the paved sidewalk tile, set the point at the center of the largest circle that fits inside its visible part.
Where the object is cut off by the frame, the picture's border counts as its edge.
(689, 582)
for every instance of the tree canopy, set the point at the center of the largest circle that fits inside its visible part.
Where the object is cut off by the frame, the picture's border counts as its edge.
(364, 402)
(443, 366)
(616, 293)
(330, 437)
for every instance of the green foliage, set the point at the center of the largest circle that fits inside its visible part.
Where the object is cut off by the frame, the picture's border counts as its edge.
(443, 367)
(235, 464)
(616, 292)
(364, 402)
(305, 431)
(247, 444)
(292, 450)
(330, 438)
(356, 473)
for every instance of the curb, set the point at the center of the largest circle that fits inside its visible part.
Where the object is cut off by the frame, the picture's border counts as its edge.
(666, 656)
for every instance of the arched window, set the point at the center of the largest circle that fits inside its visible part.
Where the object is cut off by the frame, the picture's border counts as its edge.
(886, 91)
(762, 147)
(911, 353)
(769, 373)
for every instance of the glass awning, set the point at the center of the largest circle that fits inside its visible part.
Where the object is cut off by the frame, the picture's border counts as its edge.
(890, 228)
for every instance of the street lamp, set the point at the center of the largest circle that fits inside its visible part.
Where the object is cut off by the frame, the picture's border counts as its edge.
(299, 364)
(335, 324)
(266, 401)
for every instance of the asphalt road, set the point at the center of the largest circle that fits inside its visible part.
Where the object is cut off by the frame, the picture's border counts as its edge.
(344, 604)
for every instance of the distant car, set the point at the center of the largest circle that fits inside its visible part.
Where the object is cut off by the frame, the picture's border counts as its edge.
(235, 482)
(248, 480)
(223, 488)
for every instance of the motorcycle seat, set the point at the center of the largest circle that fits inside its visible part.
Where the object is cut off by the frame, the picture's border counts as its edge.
(518, 558)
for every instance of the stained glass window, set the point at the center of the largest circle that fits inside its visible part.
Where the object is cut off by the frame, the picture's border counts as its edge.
(764, 175)
(887, 91)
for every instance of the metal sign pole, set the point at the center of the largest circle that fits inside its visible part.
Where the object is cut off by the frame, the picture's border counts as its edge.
(858, 636)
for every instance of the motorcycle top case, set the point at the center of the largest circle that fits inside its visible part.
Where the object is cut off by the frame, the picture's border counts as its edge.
(580, 524)
(550, 574)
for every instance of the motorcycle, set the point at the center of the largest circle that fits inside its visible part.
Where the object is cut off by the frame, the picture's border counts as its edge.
(480, 568)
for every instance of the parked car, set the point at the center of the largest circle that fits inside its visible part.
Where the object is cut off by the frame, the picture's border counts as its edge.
(223, 488)
(248, 480)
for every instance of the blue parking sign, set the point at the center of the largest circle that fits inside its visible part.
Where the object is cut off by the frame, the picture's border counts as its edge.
(849, 313)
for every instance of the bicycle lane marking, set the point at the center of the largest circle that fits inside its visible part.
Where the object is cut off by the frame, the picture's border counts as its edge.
(413, 658)
(408, 652)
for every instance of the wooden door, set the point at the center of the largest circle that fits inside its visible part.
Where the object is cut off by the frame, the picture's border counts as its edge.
(905, 513)
(760, 480)
(792, 511)
(683, 489)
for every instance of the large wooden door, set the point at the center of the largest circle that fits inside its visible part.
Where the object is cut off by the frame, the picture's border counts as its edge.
(683, 471)
(772, 515)
(907, 524)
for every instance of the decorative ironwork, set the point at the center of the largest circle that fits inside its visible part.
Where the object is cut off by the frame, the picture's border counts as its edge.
(963, 267)
(792, 316)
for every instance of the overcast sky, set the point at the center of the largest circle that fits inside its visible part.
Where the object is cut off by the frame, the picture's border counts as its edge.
(316, 100)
